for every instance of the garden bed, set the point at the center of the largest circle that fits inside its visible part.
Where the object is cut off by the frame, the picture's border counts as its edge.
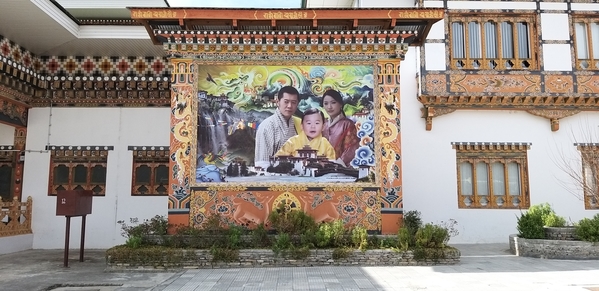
(554, 249)
(156, 257)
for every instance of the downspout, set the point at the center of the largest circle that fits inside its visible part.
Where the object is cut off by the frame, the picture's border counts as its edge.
(49, 120)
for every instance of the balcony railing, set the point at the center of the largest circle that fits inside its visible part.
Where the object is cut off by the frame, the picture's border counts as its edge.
(15, 217)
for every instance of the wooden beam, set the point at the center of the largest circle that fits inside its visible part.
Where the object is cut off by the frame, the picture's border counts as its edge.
(150, 31)
(285, 14)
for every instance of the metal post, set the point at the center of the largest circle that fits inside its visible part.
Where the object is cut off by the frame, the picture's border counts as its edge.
(82, 238)
(66, 242)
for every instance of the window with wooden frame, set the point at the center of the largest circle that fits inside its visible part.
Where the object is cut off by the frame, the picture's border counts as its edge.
(586, 39)
(78, 168)
(590, 174)
(492, 42)
(7, 159)
(492, 175)
(150, 171)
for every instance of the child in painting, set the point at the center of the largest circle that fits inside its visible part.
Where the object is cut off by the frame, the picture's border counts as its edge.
(312, 125)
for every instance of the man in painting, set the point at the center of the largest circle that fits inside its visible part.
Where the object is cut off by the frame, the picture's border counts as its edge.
(275, 130)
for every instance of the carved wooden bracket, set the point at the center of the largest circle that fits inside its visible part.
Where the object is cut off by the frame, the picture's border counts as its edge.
(428, 112)
(554, 115)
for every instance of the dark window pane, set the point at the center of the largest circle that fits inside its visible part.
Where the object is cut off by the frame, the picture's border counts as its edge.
(5, 181)
(61, 175)
(161, 175)
(80, 174)
(98, 174)
(142, 175)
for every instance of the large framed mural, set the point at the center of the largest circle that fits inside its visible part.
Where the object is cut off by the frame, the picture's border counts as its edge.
(261, 124)
(318, 136)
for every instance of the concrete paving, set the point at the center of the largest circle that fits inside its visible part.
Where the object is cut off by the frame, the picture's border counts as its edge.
(482, 267)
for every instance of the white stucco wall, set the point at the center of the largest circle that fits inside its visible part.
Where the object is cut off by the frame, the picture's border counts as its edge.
(557, 57)
(553, 6)
(385, 3)
(554, 26)
(490, 5)
(118, 127)
(434, 58)
(437, 31)
(7, 134)
(584, 6)
(16, 243)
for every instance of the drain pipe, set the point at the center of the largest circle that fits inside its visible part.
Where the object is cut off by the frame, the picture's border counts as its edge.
(48, 97)
(49, 119)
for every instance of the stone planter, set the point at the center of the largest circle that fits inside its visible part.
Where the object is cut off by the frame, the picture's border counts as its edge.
(554, 249)
(560, 233)
(148, 259)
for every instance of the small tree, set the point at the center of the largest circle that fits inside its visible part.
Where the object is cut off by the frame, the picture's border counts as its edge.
(581, 166)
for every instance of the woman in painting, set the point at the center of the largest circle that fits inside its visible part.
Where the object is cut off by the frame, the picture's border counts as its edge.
(339, 130)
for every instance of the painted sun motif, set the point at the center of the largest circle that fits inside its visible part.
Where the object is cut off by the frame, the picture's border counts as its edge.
(289, 201)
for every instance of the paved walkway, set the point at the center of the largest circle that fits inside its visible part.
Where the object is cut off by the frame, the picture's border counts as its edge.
(482, 267)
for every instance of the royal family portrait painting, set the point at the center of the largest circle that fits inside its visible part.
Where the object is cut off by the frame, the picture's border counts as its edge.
(308, 124)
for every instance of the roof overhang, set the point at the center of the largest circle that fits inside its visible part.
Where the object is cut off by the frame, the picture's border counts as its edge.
(413, 24)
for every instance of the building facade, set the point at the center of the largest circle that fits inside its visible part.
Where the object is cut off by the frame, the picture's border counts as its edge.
(486, 115)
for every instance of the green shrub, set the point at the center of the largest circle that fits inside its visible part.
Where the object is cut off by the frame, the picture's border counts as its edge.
(530, 225)
(331, 234)
(359, 237)
(550, 218)
(412, 222)
(157, 225)
(373, 241)
(290, 221)
(213, 224)
(388, 243)
(554, 220)
(134, 242)
(308, 238)
(282, 242)
(588, 229)
(403, 238)
(542, 209)
(234, 241)
(260, 236)
(432, 236)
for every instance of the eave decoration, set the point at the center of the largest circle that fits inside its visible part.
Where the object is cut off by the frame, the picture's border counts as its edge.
(293, 32)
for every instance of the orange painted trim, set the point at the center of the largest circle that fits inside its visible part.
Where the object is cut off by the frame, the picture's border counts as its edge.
(177, 220)
(391, 222)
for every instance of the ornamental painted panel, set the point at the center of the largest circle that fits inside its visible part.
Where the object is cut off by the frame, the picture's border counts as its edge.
(559, 84)
(250, 208)
(182, 133)
(435, 83)
(588, 84)
(14, 114)
(495, 83)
